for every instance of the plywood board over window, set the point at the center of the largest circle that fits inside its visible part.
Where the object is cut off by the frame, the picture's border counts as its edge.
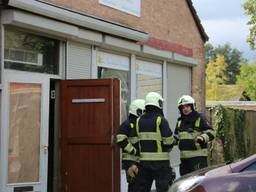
(24, 132)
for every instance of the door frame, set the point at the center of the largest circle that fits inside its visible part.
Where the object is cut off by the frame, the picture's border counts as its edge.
(25, 77)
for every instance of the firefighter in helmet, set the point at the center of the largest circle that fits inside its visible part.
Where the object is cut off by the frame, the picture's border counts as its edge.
(128, 141)
(192, 133)
(156, 141)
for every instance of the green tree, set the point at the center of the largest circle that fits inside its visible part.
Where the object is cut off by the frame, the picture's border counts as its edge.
(215, 76)
(247, 79)
(250, 10)
(210, 54)
(233, 58)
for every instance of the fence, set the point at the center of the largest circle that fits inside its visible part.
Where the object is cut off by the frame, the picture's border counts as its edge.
(235, 134)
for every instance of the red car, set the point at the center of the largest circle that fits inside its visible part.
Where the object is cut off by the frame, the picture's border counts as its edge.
(236, 177)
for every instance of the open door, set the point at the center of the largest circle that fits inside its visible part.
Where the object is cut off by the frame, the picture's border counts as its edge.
(90, 117)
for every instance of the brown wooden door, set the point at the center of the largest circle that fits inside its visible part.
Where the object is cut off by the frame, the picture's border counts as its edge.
(90, 117)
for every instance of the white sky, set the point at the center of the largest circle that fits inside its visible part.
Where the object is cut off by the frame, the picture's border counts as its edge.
(224, 22)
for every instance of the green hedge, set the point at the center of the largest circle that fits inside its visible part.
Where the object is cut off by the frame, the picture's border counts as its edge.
(231, 129)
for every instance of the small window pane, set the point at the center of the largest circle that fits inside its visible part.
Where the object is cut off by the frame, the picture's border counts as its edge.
(24, 132)
(28, 52)
(149, 78)
(146, 84)
(105, 73)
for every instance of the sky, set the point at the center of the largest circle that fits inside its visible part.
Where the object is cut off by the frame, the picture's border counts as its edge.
(225, 22)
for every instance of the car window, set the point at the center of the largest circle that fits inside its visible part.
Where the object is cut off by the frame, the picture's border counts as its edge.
(251, 167)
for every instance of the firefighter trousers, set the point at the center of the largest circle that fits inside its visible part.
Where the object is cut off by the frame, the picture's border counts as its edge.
(191, 164)
(131, 183)
(152, 171)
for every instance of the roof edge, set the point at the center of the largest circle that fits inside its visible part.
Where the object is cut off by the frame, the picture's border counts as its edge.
(198, 21)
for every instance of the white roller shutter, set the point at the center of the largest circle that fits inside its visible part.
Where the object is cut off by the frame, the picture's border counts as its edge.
(178, 83)
(79, 61)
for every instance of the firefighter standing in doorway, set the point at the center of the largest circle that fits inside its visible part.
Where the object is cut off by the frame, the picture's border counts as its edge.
(128, 141)
(156, 141)
(192, 133)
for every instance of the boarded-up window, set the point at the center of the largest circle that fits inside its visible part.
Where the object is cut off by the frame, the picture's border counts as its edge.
(24, 132)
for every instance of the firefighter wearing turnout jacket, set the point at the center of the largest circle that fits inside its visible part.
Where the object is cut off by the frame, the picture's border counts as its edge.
(156, 141)
(193, 131)
(128, 141)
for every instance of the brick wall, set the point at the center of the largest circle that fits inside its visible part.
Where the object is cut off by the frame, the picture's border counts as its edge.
(167, 20)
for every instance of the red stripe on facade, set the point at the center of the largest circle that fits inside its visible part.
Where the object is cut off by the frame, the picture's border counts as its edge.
(168, 46)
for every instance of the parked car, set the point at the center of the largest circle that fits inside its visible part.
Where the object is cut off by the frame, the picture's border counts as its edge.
(239, 176)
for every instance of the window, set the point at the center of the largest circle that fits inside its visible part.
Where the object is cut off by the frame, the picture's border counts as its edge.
(251, 167)
(116, 66)
(29, 52)
(149, 78)
(129, 6)
(24, 132)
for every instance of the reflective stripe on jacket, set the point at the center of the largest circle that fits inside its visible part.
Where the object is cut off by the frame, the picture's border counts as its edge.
(186, 138)
(155, 143)
(128, 141)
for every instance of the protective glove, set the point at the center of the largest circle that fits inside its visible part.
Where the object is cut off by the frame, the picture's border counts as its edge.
(200, 140)
(132, 171)
(176, 140)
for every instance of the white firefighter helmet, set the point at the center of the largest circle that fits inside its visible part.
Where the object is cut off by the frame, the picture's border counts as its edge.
(186, 100)
(137, 107)
(155, 99)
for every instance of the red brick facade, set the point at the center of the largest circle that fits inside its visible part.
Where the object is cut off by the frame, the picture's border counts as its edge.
(168, 46)
(169, 23)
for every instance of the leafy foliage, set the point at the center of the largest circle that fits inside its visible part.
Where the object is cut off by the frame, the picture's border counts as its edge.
(215, 71)
(250, 10)
(233, 58)
(215, 75)
(210, 54)
(230, 127)
(247, 79)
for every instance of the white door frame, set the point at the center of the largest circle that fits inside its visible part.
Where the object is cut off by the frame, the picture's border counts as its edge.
(25, 77)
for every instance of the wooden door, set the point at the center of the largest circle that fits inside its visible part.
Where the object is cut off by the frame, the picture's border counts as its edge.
(90, 117)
